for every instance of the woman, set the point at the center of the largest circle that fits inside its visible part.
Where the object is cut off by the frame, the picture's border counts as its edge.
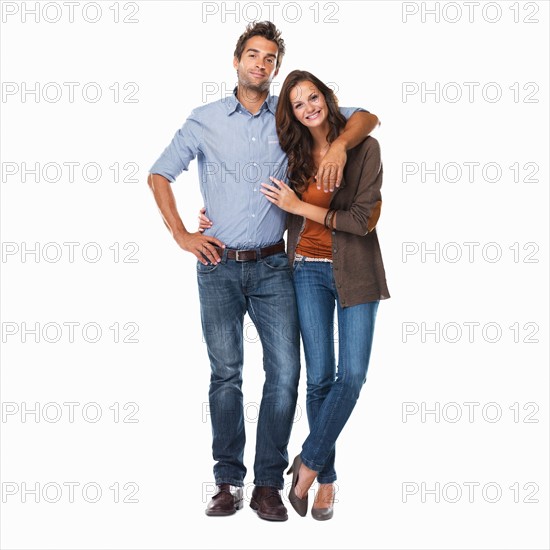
(334, 249)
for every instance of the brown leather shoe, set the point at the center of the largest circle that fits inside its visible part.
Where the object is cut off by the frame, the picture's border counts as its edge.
(225, 502)
(267, 502)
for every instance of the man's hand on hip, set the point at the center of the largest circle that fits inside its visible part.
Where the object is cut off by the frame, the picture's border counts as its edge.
(202, 246)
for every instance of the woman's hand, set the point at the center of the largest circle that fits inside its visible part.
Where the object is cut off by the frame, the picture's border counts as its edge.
(204, 222)
(283, 196)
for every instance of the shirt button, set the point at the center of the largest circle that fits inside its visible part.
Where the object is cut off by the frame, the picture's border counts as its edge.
(334, 232)
(254, 164)
(255, 189)
(253, 215)
(253, 139)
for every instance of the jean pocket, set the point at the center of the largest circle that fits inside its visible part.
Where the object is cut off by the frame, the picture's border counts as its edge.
(206, 269)
(277, 261)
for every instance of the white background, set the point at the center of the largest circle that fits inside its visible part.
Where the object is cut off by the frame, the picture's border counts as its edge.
(173, 53)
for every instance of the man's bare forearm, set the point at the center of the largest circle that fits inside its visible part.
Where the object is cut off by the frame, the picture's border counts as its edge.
(202, 246)
(166, 202)
(331, 167)
(358, 127)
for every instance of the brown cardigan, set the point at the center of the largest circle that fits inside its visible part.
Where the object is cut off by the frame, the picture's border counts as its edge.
(357, 261)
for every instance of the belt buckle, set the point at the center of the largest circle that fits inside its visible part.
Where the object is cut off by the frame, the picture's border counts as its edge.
(237, 259)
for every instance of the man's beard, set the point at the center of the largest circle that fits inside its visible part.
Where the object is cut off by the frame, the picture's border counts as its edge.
(245, 83)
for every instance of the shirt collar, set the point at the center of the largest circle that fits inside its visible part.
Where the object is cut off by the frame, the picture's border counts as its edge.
(233, 103)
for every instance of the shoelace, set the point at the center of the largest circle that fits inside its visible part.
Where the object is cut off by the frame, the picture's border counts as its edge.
(273, 492)
(224, 490)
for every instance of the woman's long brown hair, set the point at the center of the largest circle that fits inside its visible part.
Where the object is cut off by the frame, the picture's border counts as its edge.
(295, 138)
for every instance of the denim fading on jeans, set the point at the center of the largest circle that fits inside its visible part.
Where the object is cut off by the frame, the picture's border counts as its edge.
(264, 289)
(331, 393)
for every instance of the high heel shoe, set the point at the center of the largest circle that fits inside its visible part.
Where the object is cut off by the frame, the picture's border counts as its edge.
(299, 504)
(322, 514)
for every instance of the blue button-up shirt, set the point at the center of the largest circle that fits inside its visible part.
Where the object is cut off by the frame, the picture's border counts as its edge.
(236, 152)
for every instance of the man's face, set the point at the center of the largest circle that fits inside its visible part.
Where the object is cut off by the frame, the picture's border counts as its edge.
(256, 68)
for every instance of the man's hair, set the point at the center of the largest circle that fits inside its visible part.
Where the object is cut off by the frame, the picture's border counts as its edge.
(265, 29)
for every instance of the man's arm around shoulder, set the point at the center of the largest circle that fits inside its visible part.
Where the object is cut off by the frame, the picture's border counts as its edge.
(331, 169)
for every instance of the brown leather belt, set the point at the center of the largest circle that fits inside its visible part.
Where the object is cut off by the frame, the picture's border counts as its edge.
(252, 255)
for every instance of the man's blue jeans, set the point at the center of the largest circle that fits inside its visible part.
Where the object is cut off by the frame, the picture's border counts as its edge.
(264, 289)
(331, 395)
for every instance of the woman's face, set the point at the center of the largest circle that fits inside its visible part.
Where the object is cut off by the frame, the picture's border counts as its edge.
(308, 104)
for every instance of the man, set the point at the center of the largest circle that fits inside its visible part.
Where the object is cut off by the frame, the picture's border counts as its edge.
(242, 265)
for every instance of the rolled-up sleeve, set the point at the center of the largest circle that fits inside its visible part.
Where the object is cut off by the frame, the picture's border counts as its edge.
(183, 148)
(367, 199)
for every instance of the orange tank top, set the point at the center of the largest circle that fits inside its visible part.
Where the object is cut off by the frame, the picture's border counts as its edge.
(316, 239)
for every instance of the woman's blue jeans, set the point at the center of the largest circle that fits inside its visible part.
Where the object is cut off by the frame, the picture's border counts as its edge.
(331, 392)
